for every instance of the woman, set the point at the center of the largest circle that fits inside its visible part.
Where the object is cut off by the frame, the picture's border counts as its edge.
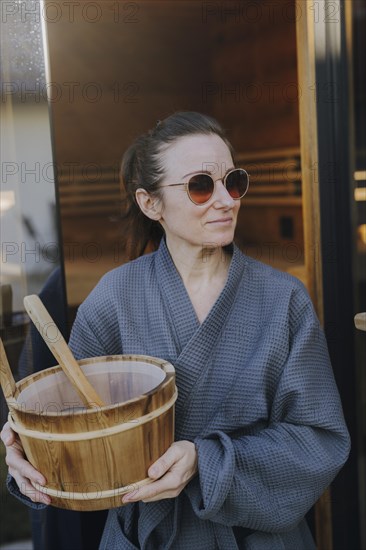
(259, 426)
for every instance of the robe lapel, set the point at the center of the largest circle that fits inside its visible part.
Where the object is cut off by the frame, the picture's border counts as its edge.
(196, 342)
(183, 321)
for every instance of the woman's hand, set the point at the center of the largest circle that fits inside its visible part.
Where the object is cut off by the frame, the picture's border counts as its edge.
(172, 471)
(21, 470)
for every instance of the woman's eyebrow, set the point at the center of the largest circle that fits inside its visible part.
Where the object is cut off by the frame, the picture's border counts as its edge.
(197, 172)
(205, 172)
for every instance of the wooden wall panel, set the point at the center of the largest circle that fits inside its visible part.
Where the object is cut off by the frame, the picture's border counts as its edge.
(221, 58)
(143, 69)
(253, 63)
(172, 56)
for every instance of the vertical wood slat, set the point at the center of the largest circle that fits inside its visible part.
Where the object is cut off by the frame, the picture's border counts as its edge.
(309, 155)
(305, 35)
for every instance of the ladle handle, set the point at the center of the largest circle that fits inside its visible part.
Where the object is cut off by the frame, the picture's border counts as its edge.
(58, 346)
(7, 379)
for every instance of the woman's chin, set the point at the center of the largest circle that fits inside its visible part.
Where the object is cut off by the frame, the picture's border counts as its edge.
(224, 238)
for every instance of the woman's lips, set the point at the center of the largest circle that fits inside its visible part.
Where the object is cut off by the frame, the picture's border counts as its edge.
(225, 221)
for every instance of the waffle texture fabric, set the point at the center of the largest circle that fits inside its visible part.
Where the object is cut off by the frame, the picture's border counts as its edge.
(256, 394)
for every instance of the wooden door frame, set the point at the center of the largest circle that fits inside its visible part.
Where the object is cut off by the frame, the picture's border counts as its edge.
(324, 54)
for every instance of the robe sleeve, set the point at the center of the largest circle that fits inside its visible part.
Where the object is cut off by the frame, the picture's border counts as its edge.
(269, 480)
(95, 330)
(84, 342)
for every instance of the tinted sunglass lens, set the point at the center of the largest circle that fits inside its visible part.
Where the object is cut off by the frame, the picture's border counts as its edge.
(200, 188)
(237, 183)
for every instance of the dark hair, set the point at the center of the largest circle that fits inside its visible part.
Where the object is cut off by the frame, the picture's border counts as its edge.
(142, 168)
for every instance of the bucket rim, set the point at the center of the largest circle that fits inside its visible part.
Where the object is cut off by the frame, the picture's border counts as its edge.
(94, 434)
(95, 495)
(155, 361)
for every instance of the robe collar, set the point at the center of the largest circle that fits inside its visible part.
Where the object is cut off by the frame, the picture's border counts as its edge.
(194, 342)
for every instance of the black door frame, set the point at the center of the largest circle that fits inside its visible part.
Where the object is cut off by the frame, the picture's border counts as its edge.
(324, 43)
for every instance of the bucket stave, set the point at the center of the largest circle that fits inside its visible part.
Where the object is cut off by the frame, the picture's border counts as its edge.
(91, 456)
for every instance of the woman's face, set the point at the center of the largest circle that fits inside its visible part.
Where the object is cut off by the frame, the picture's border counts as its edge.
(210, 224)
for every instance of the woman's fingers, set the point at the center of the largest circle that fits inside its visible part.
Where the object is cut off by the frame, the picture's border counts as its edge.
(27, 489)
(24, 473)
(164, 463)
(17, 464)
(172, 471)
(20, 469)
(184, 451)
(167, 484)
(7, 435)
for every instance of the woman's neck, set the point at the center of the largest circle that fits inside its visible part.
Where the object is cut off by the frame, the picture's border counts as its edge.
(199, 265)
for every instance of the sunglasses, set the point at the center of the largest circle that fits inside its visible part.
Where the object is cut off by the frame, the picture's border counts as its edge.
(201, 187)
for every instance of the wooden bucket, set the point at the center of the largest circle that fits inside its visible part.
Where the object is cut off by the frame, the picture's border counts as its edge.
(91, 457)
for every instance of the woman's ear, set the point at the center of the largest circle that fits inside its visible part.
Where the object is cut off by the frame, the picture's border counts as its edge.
(149, 205)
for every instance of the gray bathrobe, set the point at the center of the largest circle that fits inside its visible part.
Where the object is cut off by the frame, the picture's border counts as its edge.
(257, 396)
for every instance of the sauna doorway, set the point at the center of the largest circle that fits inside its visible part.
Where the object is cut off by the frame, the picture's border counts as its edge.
(251, 65)
(136, 64)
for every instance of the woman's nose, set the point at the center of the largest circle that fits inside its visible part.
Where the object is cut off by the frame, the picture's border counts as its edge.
(221, 194)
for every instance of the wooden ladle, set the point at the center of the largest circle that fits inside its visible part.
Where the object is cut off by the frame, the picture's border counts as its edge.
(61, 351)
(7, 379)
